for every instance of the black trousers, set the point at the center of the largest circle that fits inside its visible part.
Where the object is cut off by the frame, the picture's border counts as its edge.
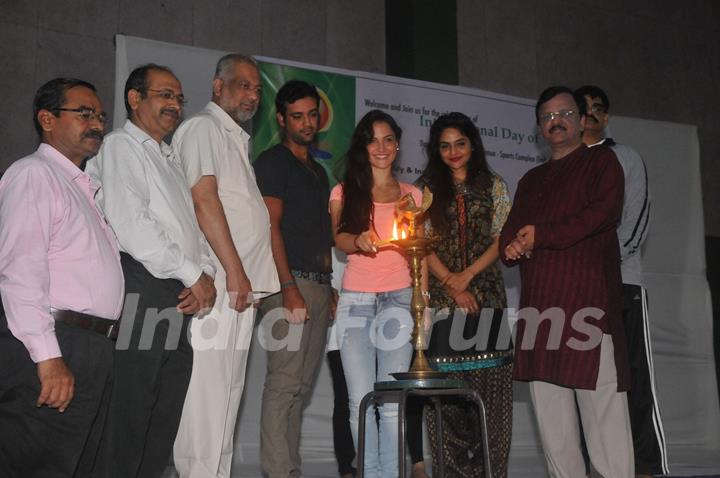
(42, 442)
(153, 362)
(647, 430)
(342, 435)
(413, 428)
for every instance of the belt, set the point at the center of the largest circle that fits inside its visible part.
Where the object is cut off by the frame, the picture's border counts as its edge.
(319, 277)
(106, 327)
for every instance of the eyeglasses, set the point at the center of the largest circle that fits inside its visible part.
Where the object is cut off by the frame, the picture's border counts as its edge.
(168, 95)
(544, 118)
(598, 109)
(87, 114)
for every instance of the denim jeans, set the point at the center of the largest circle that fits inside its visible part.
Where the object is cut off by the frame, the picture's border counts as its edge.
(374, 339)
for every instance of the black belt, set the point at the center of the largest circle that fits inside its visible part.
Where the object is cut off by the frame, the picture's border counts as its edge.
(106, 327)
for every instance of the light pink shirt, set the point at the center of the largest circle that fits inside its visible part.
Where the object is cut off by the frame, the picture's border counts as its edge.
(56, 250)
(388, 269)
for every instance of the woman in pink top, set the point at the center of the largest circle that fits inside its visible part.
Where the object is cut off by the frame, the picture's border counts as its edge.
(373, 314)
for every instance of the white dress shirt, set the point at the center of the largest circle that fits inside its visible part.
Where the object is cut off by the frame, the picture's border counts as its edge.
(148, 204)
(212, 144)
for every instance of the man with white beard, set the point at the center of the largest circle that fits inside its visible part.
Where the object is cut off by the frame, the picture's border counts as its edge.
(213, 149)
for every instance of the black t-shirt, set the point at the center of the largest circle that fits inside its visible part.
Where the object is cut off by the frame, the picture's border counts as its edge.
(305, 191)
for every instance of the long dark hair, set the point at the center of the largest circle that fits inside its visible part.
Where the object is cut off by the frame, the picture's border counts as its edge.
(357, 211)
(437, 174)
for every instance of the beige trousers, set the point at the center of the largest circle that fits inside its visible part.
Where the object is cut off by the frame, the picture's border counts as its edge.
(605, 423)
(291, 371)
(204, 444)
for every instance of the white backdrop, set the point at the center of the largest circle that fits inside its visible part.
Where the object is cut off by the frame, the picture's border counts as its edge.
(674, 259)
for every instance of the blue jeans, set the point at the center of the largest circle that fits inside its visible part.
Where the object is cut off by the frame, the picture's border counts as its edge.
(374, 338)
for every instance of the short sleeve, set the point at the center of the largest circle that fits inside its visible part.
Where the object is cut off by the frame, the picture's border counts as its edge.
(501, 205)
(199, 145)
(336, 194)
(271, 174)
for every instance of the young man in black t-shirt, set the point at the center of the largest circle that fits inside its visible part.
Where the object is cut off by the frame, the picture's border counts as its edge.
(296, 190)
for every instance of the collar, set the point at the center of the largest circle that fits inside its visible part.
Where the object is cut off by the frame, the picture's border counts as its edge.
(142, 137)
(311, 156)
(61, 162)
(605, 141)
(138, 135)
(214, 110)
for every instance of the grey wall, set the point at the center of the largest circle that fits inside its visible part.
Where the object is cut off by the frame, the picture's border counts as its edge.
(656, 59)
(42, 39)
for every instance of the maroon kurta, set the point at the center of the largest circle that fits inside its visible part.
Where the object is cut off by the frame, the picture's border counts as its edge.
(575, 203)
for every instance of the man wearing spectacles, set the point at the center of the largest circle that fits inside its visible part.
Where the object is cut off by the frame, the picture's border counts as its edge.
(561, 231)
(213, 149)
(62, 290)
(647, 429)
(168, 275)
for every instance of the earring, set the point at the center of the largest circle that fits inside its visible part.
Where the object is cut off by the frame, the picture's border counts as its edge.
(397, 148)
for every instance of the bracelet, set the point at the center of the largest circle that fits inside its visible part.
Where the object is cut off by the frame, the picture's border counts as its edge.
(288, 284)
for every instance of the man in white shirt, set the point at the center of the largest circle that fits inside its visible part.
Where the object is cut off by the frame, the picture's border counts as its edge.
(213, 149)
(168, 275)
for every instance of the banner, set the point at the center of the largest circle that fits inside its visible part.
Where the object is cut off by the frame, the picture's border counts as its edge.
(337, 114)
(506, 124)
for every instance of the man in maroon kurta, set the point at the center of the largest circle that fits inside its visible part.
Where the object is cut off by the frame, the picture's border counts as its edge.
(561, 231)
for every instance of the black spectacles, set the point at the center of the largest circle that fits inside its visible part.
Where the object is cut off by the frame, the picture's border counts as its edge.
(87, 114)
(168, 95)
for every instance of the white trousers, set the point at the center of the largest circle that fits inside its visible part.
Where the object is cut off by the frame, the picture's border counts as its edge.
(204, 443)
(605, 424)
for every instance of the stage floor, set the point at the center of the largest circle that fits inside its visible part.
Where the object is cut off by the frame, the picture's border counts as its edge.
(523, 464)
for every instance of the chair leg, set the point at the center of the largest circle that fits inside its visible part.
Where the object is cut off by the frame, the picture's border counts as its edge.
(475, 397)
(361, 433)
(401, 433)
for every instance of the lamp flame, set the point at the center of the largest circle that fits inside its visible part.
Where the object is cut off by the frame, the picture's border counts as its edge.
(395, 232)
